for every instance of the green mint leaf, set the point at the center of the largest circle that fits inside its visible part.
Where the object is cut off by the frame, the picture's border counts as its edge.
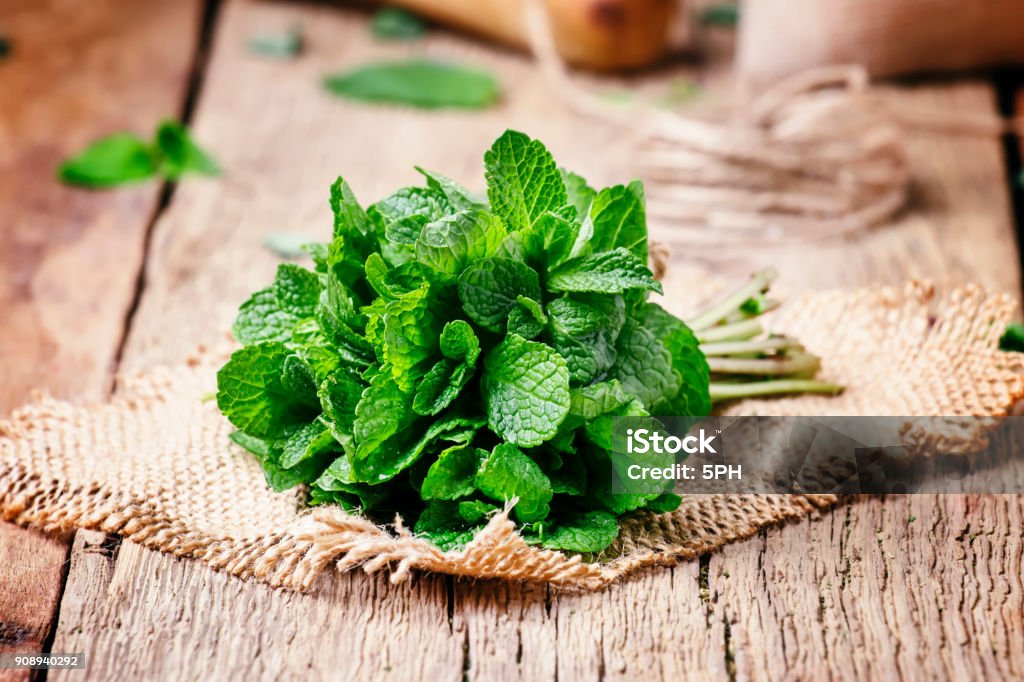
(180, 154)
(442, 524)
(476, 511)
(509, 473)
(382, 411)
(643, 366)
(256, 446)
(450, 244)
(395, 23)
(489, 288)
(351, 221)
(262, 319)
(585, 335)
(610, 272)
(417, 83)
(527, 319)
(309, 441)
(590, 532)
(410, 335)
(405, 212)
(451, 475)
(619, 220)
(665, 503)
(693, 398)
(118, 159)
(526, 391)
(446, 379)
(284, 45)
(459, 198)
(523, 182)
(251, 395)
(339, 396)
(580, 194)
(396, 454)
(297, 290)
(1013, 338)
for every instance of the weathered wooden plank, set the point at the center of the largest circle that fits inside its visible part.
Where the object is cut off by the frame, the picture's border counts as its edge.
(69, 259)
(182, 620)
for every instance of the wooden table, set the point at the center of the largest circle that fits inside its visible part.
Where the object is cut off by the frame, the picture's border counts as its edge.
(92, 284)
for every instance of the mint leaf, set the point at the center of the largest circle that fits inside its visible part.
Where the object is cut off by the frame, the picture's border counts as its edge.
(450, 244)
(610, 272)
(643, 366)
(180, 154)
(297, 290)
(526, 391)
(476, 511)
(509, 473)
(587, 532)
(395, 23)
(693, 398)
(451, 476)
(405, 212)
(1013, 338)
(619, 220)
(527, 318)
(580, 194)
(309, 441)
(251, 395)
(490, 287)
(410, 335)
(283, 45)
(523, 182)
(446, 379)
(417, 83)
(110, 161)
(458, 197)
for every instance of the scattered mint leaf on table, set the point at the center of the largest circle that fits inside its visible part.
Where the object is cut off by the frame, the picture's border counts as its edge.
(445, 355)
(179, 154)
(118, 159)
(395, 23)
(124, 158)
(421, 83)
(284, 45)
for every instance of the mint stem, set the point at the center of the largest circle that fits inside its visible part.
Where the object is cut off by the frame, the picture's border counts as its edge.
(773, 343)
(727, 391)
(758, 284)
(737, 331)
(798, 363)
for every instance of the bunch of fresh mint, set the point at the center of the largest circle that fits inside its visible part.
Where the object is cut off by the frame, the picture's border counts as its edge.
(448, 355)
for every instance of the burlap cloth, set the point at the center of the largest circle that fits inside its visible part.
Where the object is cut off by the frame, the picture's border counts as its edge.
(155, 465)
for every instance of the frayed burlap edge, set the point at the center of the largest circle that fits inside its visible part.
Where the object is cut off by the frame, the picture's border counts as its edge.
(943, 349)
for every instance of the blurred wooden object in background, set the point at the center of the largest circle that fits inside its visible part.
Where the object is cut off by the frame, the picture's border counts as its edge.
(597, 34)
(887, 37)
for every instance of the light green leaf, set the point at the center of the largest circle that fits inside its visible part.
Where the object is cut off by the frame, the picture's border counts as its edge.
(418, 83)
(523, 182)
(610, 272)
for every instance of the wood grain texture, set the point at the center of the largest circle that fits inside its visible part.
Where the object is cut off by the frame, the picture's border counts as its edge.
(753, 612)
(69, 259)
